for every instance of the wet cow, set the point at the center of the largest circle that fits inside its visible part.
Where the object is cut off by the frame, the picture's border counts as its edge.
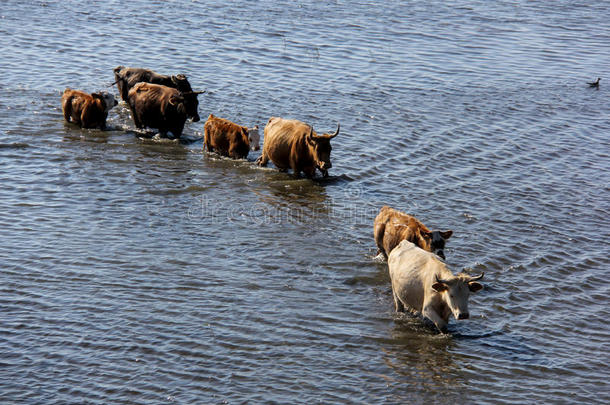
(127, 77)
(292, 144)
(422, 283)
(87, 110)
(229, 139)
(160, 107)
(393, 226)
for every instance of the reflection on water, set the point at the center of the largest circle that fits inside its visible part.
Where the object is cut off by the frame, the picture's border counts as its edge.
(423, 363)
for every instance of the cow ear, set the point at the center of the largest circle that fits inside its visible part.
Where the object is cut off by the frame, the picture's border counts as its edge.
(446, 234)
(439, 287)
(473, 286)
(310, 139)
(96, 95)
(425, 234)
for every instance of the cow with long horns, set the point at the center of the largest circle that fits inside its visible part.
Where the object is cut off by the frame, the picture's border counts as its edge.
(292, 144)
(422, 283)
(128, 77)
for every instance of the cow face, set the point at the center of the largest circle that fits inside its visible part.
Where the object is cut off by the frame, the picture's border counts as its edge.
(190, 97)
(455, 292)
(435, 242)
(320, 149)
(191, 105)
(254, 138)
(107, 98)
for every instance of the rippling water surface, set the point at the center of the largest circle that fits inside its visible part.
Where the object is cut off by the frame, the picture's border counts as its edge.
(141, 271)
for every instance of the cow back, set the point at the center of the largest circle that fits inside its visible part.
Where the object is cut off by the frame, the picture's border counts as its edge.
(85, 109)
(226, 137)
(157, 106)
(152, 94)
(413, 271)
(127, 78)
(398, 226)
(280, 135)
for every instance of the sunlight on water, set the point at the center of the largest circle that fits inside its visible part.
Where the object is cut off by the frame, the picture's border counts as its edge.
(143, 270)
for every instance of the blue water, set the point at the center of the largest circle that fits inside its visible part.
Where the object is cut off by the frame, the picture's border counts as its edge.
(143, 271)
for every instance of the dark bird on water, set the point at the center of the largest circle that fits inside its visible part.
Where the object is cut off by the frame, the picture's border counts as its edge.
(595, 83)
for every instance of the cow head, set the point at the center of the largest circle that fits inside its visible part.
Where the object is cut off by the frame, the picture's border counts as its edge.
(107, 98)
(120, 81)
(182, 84)
(117, 72)
(190, 97)
(434, 241)
(320, 148)
(254, 138)
(455, 292)
(192, 105)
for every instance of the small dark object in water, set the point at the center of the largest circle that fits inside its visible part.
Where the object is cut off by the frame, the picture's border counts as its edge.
(595, 83)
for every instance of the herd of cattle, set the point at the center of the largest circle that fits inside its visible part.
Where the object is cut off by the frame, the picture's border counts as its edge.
(421, 281)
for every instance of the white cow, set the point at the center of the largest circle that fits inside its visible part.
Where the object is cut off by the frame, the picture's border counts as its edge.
(423, 283)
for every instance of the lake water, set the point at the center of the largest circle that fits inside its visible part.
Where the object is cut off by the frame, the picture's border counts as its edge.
(141, 271)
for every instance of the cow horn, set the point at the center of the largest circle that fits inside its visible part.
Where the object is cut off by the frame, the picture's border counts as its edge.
(327, 136)
(475, 278)
(438, 280)
(178, 78)
(188, 93)
(173, 100)
(336, 132)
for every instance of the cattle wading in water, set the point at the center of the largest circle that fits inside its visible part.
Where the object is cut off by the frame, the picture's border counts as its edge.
(127, 77)
(422, 283)
(229, 139)
(160, 107)
(292, 144)
(87, 110)
(393, 226)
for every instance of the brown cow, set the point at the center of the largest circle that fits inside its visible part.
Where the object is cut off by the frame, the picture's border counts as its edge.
(87, 110)
(228, 138)
(157, 106)
(393, 226)
(127, 78)
(294, 144)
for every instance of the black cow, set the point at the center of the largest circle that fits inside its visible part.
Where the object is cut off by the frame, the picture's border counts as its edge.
(127, 78)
